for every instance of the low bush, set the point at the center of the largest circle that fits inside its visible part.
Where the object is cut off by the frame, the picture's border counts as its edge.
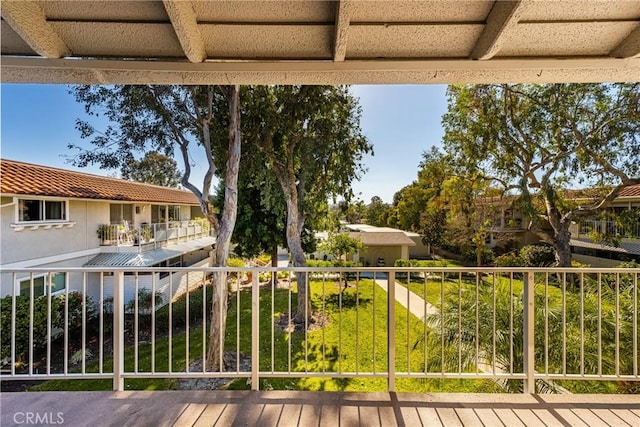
(538, 255)
(509, 260)
(179, 309)
(40, 320)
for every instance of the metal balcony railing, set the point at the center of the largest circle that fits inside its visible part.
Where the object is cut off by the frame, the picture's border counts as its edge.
(524, 329)
(146, 237)
(585, 228)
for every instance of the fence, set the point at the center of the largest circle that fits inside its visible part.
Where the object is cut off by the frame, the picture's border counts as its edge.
(523, 329)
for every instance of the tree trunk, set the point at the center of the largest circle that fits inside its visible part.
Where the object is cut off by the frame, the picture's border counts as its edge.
(294, 231)
(274, 256)
(562, 237)
(223, 236)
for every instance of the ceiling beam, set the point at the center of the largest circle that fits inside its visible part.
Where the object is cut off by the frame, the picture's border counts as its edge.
(630, 47)
(185, 24)
(88, 71)
(29, 21)
(343, 18)
(504, 16)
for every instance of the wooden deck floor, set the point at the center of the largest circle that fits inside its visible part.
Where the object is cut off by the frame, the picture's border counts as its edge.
(292, 408)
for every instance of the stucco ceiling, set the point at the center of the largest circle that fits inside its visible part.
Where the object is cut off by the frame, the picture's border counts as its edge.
(320, 42)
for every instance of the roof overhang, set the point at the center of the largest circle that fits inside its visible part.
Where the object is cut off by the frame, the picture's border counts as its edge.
(320, 42)
(149, 258)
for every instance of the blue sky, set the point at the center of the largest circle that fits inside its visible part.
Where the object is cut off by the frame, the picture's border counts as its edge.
(401, 121)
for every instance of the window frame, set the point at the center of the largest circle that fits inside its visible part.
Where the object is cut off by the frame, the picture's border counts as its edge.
(46, 287)
(43, 211)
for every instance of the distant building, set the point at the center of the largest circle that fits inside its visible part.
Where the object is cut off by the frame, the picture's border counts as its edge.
(59, 218)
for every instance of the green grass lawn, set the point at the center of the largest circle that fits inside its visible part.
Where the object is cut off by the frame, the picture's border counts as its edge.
(356, 327)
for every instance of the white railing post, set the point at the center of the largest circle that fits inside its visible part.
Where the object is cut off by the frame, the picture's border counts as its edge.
(118, 330)
(255, 331)
(391, 331)
(528, 333)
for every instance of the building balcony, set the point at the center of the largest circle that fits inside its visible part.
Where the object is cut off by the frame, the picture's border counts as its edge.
(147, 237)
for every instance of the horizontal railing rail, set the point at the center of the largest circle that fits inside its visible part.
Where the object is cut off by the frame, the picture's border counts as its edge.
(522, 329)
(610, 228)
(146, 237)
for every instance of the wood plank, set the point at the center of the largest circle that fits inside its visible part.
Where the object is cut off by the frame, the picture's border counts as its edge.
(190, 415)
(290, 413)
(610, 418)
(350, 416)
(410, 416)
(627, 416)
(488, 417)
(468, 417)
(547, 418)
(508, 417)
(270, 415)
(210, 414)
(429, 417)
(571, 418)
(589, 417)
(330, 415)
(309, 415)
(387, 416)
(528, 417)
(232, 411)
(448, 417)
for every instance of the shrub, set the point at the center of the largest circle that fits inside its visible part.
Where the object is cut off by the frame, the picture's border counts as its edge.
(509, 260)
(179, 310)
(40, 320)
(332, 263)
(538, 256)
(469, 256)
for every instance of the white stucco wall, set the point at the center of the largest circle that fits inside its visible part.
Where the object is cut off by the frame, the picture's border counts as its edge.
(32, 244)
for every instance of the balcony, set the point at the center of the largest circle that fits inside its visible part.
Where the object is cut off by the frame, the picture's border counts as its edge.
(146, 237)
(387, 330)
(586, 228)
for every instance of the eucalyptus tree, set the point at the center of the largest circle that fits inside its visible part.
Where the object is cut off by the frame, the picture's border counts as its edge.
(543, 139)
(169, 119)
(310, 138)
(154, 168)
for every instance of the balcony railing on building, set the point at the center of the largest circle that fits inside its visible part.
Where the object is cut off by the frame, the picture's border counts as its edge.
(145, 237)
(538, 328)
(610, 228)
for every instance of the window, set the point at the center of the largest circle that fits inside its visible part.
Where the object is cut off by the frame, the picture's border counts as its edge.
(161, 213)
(42, 210)
(56, 283)
(118, 213)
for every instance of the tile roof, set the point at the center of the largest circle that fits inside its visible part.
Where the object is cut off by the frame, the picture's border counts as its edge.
(19, 178)
(630, 191)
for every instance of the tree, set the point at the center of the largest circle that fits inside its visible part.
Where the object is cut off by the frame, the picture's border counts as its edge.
(311, 139)
(377, 213)
(153, 168)
(340, 244)
(165, 119)
(541, 139)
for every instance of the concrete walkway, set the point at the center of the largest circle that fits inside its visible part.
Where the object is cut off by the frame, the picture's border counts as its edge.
(417, 306)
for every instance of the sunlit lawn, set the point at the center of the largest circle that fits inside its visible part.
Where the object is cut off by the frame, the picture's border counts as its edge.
(353, 341)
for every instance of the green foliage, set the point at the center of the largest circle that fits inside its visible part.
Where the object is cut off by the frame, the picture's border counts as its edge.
(236, 262)
(153, 168)
(538, 255)
(41, 315)
(178, 309)
(509, 260)
(378, 212)
(145, 300)
(339, 244)
(542, 139)
(471, 255)
(332, 263)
